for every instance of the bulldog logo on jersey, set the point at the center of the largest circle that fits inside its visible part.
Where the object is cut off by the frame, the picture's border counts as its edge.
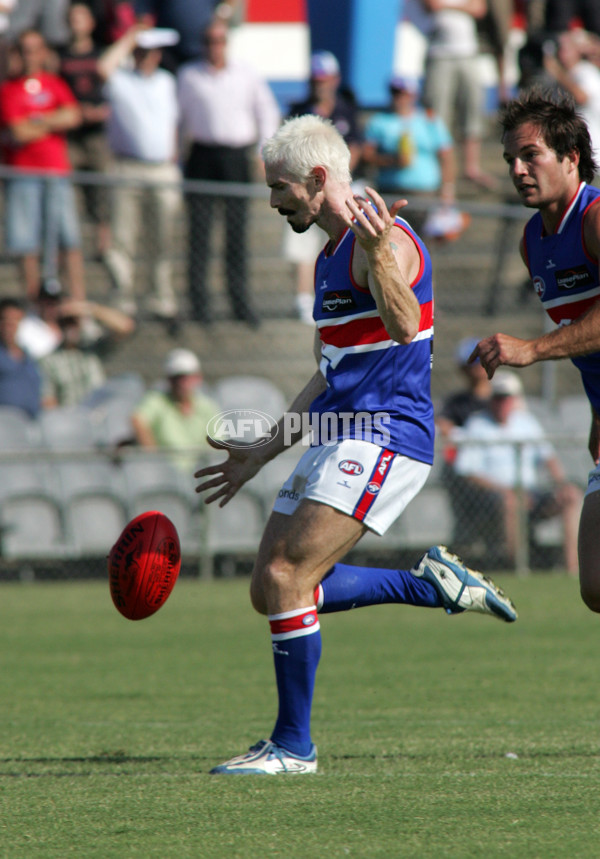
(539, 286)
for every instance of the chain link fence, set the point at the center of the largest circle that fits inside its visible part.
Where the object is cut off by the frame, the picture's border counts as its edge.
(62, 505)
(61, 511)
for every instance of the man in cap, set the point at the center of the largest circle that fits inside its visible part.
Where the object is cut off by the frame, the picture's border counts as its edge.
(227, 111)
(42, 329)
(142, 134)
(460, 404)
(411, 149)
(177, 417)
(504, 450)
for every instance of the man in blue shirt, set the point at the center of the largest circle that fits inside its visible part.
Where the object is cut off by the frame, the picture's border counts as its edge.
(20, 381)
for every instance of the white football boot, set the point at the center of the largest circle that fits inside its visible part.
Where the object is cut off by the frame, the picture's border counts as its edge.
(267, 758)
(462, 589)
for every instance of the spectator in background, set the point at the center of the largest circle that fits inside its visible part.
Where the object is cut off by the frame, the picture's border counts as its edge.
(49, 17)
(37, 109)
(189, 18)
(6, 9)
(75, 368)
(459, 405)
(493, 32)
(177, 418)
(142, 134)
(88, 146)
(227, 111)
(19, 376)
(560, 14)
(411, 149)
(453, 80)
(113, 19)
(573, 73)
(326, 100)
(453, 413)
(41, 331)
(504, 450)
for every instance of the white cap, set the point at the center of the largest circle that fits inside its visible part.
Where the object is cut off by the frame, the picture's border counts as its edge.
(506, 384)
(323, 64)
(156, 37)
(181, 362)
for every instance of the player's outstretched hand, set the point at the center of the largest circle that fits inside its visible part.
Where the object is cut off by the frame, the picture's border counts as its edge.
(372, 221)
(242, 463)
(502, 349)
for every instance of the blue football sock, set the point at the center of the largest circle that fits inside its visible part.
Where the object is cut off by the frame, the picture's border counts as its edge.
(346, 586)
(296, 640)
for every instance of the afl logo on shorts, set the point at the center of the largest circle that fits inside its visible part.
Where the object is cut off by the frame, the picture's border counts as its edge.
(539, 286)
(373, 488)
(350, 466)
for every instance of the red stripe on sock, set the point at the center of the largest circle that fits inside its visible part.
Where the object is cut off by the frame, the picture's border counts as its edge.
(292, 624)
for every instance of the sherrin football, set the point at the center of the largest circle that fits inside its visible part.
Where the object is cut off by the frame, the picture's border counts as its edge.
(143, 565)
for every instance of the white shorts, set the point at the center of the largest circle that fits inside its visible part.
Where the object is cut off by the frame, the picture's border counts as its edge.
(359, 478)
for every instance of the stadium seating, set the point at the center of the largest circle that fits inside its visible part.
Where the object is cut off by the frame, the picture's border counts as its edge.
(32, 526)
(17, 431)
(93, 521)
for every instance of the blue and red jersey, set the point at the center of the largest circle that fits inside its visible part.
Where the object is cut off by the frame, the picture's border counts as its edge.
(367, 371)
(565, 275)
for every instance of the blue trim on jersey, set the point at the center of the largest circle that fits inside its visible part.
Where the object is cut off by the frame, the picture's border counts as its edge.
(366, 370)
(564, 276)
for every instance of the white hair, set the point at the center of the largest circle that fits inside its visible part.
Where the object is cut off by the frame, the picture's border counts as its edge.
(305, 142)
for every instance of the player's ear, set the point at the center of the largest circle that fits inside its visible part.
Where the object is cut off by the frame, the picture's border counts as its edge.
(319, 175)
(573, 157)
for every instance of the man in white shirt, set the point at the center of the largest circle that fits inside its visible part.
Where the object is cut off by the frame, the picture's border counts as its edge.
(504, 450)
(577, 75)
(227, 111)
(142, 134)
(453, 86)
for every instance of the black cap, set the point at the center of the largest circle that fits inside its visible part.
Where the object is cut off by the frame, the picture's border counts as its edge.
(50, 288)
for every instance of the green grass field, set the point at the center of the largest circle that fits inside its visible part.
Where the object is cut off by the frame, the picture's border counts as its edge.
(438, 736)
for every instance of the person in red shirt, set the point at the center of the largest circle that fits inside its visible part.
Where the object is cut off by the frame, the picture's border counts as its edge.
(37, 108)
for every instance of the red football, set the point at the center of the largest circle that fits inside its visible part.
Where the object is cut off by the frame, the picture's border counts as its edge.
(143, 565)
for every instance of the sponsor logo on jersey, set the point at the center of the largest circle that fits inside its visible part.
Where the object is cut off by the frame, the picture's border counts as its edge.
(350, 466)
(571, 278)
(334, 302)
(539, 286)
(289, 493)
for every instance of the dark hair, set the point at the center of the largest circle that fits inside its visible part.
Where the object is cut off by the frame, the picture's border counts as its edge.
(11, 303)
(562, 128)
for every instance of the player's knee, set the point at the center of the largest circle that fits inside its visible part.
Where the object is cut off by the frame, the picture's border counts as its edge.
(272, 579)
(257, 595)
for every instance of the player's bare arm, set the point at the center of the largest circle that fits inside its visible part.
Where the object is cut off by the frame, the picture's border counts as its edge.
(387, 262)
(243, 461)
